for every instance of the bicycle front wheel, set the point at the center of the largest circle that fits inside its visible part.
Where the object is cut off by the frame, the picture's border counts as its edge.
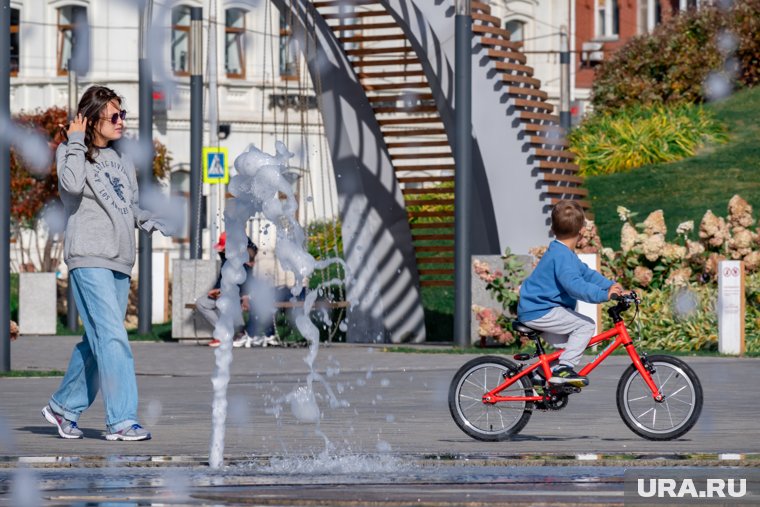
(486, 421)
(673, 416)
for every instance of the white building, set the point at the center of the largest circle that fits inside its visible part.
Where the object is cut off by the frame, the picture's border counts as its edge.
(264, 91)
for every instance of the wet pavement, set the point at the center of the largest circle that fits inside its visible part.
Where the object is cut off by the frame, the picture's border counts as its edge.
(394, 444)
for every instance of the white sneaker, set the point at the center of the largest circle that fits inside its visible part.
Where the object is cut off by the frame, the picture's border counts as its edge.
(241, 341)
(270, 340)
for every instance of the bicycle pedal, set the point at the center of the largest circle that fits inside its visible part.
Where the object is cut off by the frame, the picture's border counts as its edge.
(565, 389)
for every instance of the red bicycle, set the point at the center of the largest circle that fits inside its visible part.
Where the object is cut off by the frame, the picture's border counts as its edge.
(492, 398)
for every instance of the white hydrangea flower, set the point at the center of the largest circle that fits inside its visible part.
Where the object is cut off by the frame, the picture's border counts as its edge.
(685, 228)
(624, 213)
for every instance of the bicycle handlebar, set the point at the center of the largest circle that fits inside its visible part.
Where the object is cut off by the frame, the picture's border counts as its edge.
(631, 297)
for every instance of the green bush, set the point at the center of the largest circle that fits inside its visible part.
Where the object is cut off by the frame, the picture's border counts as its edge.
(663, 327)
(670, 65)
(613, 142)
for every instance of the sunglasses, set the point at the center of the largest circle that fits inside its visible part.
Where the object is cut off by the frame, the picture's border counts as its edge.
(115, 117)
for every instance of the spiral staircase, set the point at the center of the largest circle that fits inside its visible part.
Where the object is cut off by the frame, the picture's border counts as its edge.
(392, 76)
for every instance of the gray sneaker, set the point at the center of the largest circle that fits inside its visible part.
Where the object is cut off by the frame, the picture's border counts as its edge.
(131, 434)
(66, 428)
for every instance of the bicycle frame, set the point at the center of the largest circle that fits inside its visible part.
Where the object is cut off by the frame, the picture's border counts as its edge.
(621, 337)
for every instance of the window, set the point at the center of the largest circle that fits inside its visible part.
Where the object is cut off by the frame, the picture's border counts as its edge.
(650, 15)
(68, 17)
(181, 40)
(288, 56)
(607, 18)
(15, 15)
(234, 43)
(516, 29)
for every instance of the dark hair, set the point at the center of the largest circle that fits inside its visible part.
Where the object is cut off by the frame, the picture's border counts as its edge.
(567, 219)
(94, 100)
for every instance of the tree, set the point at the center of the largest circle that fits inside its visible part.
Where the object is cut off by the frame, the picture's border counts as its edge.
(30, 193)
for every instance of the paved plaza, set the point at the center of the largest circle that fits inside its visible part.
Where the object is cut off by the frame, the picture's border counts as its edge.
(394, 429)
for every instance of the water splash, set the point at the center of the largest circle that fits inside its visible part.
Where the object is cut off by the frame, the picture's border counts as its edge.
(24, 489)
(261, 185)
(685, 303)
(345, 464)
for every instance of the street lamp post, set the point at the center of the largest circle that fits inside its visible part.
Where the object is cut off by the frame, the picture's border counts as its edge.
(145, 248)
(196, 129)
(463, 172)
(564, 79)
(72, 314)
(5, 187)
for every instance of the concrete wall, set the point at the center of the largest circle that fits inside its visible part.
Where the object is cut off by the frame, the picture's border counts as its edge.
(191, 279)
(377, 241)
(508, 207)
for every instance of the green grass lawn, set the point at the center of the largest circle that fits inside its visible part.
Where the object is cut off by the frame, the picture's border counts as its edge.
(31, 373)
(684, 190)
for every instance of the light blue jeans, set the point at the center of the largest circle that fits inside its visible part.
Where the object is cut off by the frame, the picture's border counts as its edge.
(103, 359)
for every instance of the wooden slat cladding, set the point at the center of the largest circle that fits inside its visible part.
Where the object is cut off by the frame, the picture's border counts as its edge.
(387, 67)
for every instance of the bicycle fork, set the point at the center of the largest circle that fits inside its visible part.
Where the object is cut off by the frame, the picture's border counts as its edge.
(644, 367)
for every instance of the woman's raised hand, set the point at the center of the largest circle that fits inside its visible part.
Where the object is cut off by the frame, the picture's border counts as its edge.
(78, 124)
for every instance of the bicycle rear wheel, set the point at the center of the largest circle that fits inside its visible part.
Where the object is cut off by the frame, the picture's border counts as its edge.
(485, 421)
(673, 416)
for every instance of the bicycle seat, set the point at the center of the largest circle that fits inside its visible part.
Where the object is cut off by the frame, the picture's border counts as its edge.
(522, 328)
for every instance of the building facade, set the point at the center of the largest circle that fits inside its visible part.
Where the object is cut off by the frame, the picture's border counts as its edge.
(264, 91)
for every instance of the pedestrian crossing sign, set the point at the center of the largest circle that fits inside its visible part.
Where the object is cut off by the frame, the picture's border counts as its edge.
(215, 169)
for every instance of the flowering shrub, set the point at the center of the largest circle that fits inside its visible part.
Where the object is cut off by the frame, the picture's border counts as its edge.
(504, 286)
(676, 279)
(647, 260)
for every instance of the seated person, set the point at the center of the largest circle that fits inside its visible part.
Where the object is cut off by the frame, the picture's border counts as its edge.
(207, 305)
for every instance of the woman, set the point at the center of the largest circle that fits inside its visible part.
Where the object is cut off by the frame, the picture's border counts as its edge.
(99, 192)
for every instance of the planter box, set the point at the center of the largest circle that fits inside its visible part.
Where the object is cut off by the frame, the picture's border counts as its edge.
(37, 303)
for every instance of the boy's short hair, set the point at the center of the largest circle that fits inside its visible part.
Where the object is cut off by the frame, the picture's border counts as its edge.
(567, 219)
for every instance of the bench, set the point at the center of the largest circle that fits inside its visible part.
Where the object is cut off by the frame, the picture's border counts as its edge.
(318, 305)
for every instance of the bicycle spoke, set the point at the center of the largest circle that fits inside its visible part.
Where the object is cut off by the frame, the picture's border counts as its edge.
(684, 387)
(474, 404)
(670, 416)
(670, 398)
(501, 418)
(468, 381)
(645, 413)
(639, 398)
(666, 380)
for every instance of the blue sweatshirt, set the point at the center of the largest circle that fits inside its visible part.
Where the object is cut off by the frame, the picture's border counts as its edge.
(560, 279)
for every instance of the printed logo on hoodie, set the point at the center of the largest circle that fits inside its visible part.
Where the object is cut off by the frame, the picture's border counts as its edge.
(108, 183)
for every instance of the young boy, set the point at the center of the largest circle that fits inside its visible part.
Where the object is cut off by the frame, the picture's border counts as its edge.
(548, 296)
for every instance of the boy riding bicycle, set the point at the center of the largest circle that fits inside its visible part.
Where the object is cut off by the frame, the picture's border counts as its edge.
(549, 295)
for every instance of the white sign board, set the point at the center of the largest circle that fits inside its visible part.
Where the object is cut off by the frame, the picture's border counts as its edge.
(731, 307)
(589, 309)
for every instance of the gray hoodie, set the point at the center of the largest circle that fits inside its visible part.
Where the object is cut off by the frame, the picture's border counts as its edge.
(100, 201)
